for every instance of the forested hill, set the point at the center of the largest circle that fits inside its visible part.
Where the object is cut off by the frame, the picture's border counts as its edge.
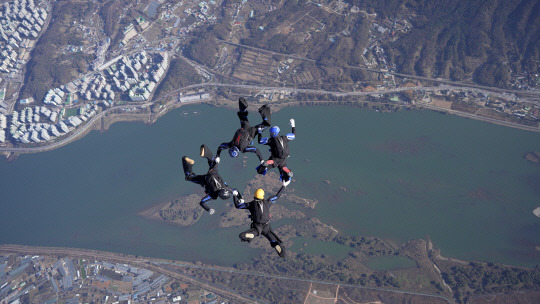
(460, 39)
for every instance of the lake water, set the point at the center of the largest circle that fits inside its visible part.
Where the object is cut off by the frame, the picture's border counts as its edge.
(397, 176)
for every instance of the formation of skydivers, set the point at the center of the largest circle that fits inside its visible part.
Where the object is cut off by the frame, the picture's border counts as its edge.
(242, 142)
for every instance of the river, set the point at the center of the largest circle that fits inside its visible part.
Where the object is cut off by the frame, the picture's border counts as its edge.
(397, 176)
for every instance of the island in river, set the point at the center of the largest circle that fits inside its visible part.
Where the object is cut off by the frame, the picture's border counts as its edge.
(533, 157)
(372, 262)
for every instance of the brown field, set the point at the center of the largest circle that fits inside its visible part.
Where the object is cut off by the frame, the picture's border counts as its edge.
(442, 103)
(254, 66)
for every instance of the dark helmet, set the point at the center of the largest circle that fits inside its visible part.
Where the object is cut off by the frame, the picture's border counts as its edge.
(224, 194)
(274, 131)
(233, 151)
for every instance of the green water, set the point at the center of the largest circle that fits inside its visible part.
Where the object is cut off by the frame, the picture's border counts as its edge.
(397, 176)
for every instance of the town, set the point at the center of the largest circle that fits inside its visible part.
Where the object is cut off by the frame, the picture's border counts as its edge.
(49, 279)
(124, 74)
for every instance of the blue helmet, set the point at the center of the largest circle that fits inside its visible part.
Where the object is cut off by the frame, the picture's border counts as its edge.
(233, 151)
(274, 131)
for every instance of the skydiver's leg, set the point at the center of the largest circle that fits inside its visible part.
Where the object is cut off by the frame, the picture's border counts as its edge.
(187, 164)
(266, 114)
(244, 122)
(274, 240)
(206, 153)
(243, 113)
(249, 234)
(242, 104)
(253, 149)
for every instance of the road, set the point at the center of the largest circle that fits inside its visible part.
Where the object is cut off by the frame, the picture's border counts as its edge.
(163, 267)
(477, 117)
(80, 131)
(535, 94)
(124, 259)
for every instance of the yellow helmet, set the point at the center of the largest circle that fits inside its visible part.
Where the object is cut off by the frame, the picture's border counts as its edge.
(259, 194)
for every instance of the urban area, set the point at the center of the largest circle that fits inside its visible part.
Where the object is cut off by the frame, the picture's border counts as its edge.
(48, 279)
(123, 76)
(139, 59)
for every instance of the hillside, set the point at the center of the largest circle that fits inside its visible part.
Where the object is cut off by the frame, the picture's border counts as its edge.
(489, 41)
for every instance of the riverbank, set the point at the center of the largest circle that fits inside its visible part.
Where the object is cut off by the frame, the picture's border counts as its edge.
(104, 120)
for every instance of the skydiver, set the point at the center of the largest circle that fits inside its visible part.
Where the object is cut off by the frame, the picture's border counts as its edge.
(259, 209)
(213, 184)
(279, 149)
(244, 136)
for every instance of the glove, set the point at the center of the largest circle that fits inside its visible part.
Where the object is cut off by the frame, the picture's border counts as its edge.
(291, 122)
(235, 192)
(217, 160)
(285, 183)
(212, 211)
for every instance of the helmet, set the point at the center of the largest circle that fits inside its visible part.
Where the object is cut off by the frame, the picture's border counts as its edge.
(274, 131)
(259, 194)
(224, 194)
(233, 151)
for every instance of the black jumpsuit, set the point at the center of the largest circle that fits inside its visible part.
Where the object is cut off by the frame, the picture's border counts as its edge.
(242, 137)
(260, 217)
(211, 181)
(279, 150)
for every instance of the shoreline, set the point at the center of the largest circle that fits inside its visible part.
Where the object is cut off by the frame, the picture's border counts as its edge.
(105, 121)
(151, 212)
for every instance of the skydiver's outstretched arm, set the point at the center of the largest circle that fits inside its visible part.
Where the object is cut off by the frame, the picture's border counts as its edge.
(223, 146)
(253, 149)
(274, 198)
(292, 135)
(261, 140)
(203, 202)
(239, 202)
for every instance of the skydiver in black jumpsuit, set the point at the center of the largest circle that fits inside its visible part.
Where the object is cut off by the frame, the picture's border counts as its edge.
(279, 148)
(243, 137)
(259, 209)
(213, 184)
